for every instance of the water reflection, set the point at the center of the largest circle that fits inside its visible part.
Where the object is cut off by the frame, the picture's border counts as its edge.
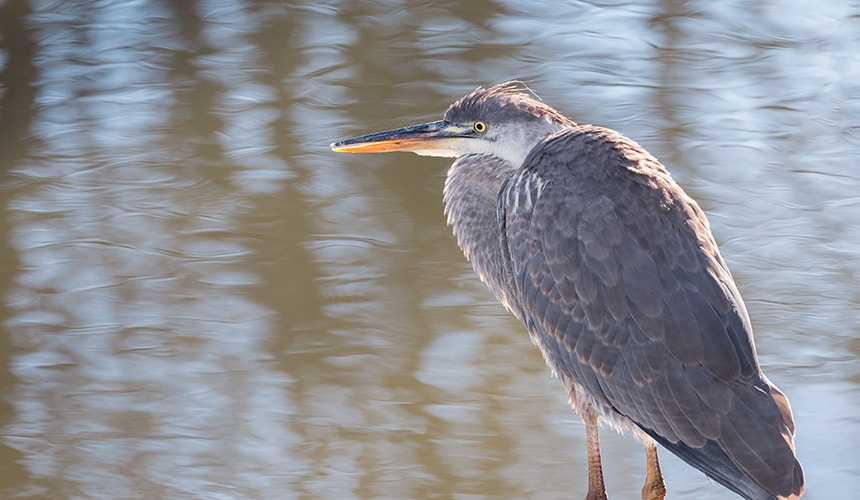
(200, 301)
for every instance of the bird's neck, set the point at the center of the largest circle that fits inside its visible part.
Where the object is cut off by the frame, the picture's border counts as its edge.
(471, 202)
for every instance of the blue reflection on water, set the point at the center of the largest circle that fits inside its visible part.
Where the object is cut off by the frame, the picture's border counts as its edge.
(206, 303)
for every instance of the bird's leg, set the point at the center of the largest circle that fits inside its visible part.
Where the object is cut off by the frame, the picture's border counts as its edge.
(654, 489)
(596, 487)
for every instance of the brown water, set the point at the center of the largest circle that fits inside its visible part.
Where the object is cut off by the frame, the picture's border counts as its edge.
(199, 300)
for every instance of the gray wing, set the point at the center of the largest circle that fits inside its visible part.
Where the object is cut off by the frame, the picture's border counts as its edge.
(621, 284)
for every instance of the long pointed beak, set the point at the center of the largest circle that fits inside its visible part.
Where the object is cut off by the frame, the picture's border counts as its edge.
(429, 139)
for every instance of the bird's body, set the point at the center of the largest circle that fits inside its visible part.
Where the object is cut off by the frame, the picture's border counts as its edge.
(585, 237)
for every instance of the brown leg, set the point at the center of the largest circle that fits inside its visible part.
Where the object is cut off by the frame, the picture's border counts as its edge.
(654, 488)
(596, 488)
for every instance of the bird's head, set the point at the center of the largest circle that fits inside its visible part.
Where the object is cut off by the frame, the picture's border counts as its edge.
(505, 120)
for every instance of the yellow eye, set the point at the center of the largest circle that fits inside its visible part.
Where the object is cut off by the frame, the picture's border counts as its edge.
(479, 127)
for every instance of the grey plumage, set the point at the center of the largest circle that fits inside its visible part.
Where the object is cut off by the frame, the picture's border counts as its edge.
(612, 268)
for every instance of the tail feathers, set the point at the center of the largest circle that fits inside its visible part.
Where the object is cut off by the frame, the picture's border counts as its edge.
(714, 462)
(753, 452)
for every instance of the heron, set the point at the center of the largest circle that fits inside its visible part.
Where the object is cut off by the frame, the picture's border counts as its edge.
(586, 238)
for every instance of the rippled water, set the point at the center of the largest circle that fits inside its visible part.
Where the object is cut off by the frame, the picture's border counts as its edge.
(199, 300)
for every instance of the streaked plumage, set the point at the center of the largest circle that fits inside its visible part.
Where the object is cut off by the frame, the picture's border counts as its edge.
(612, 268)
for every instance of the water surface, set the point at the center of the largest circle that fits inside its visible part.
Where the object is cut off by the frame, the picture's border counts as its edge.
(199, 300)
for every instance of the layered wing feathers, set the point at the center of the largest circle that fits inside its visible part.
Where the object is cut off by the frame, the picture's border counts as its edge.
(621, 285)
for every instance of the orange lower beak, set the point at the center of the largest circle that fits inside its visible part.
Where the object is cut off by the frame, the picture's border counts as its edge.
(434, 139)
